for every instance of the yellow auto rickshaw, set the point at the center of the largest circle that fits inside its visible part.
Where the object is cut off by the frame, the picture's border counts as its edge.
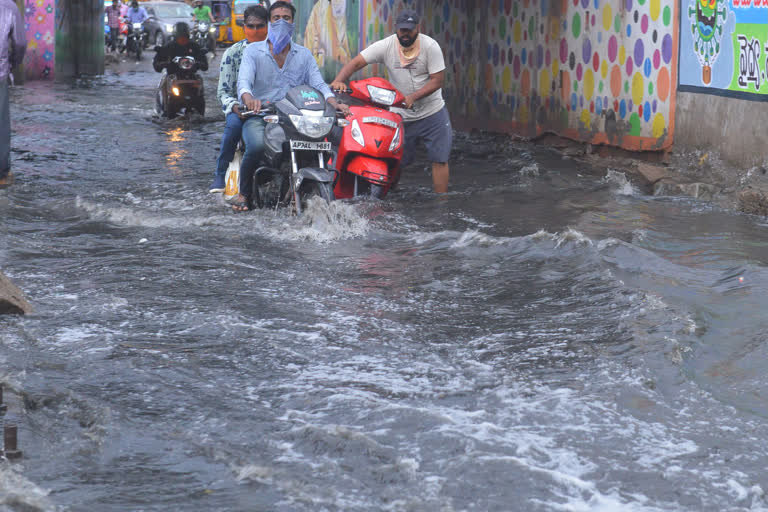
(231, 28)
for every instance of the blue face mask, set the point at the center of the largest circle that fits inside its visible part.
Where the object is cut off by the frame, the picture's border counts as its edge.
(280, 34)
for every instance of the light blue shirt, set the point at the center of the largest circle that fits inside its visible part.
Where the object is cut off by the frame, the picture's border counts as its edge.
(137, 15)
(261, 76)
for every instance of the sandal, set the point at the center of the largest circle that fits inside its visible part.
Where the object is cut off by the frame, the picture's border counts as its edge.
(241, 204)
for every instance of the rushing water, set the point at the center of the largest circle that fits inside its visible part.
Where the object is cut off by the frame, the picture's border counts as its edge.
(541, 338)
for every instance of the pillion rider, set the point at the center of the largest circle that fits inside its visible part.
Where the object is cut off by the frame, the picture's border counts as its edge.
(255, 28)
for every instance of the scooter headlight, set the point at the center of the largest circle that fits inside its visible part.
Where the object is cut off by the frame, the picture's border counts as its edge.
(176, 91)
(395, 140)
(169, 28)
(357, 133)
(137, 26)
(312, 123)
(186, 63)
(381, 96)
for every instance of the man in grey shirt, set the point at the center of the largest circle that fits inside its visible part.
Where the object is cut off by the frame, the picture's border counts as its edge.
(417, 68)
(13, 43)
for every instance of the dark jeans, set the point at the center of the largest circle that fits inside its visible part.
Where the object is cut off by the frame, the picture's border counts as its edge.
(232, 132)
(253, 136)
(113, 33)
(5, 129)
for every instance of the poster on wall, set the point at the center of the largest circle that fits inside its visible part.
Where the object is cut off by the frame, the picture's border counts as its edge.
(724, 48)
(330, 30)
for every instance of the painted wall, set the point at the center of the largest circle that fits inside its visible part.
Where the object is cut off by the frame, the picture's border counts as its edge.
(602, 71)
(39, 22)
(723, 87)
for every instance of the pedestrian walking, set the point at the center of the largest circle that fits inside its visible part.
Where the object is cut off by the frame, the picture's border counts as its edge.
(13, 44)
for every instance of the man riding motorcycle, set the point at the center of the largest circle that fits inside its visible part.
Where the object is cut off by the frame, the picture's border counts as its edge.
(136, 14)
(179, 46)
(165, 57)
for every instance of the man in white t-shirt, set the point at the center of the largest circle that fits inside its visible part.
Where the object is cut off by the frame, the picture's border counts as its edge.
(416, 67)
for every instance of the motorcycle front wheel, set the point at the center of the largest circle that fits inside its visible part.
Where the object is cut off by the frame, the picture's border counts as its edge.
(310, 189)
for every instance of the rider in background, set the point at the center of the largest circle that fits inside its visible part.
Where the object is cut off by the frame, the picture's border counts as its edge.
(179, 46)
(255, 25)
(136, 14)
(202, 12)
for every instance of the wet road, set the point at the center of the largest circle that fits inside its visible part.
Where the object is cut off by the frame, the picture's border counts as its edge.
(541, 338)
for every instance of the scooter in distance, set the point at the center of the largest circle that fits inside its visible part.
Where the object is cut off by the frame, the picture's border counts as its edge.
(295, 155)
(181, 87)
(371, 145)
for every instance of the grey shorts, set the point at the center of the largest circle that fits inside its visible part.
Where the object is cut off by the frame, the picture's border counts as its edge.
(436, 133)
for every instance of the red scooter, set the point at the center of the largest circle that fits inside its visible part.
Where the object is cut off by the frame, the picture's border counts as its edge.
(371, 147)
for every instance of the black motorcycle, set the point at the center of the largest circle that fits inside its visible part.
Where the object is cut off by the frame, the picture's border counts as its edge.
(181, 87)
(294, 167)
(136, 40)
(203, 35)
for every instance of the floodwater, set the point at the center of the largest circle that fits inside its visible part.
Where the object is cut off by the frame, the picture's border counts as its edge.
(542, 338)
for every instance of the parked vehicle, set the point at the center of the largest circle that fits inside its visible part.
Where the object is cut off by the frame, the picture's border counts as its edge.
(163, 15)
(180, 89)
(294, 167)
(371, 145)
(232, 31)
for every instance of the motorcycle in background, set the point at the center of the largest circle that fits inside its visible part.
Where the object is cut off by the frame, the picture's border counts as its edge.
(180, 89)
(204, 35)
(371, 145)
(136, 40)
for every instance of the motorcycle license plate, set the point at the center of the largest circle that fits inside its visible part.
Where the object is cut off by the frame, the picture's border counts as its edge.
(307, 145)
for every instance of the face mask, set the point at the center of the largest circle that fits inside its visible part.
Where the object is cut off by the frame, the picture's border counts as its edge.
(280, 34)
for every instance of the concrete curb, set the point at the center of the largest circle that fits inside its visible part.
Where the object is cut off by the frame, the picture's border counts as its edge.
(12, 299)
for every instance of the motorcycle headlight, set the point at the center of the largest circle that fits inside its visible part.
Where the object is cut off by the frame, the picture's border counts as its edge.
(357, 133)
(137, 26)
(395, 140)
(381, 96)
(312, 123)
(186, 63)
(203, 27)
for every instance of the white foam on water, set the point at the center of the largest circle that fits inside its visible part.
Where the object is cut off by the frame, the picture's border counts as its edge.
(320, 222)
(18, 493)
(530, 170)
(619, 183)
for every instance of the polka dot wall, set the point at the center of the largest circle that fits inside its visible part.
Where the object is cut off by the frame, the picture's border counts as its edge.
(594, 69)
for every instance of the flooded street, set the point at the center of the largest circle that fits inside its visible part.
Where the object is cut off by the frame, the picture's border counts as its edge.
(542, 338)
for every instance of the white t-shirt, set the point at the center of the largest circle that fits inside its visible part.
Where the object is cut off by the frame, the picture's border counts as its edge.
(413, 77)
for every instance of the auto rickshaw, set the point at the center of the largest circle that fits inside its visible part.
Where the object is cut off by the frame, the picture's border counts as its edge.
(231, 29)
